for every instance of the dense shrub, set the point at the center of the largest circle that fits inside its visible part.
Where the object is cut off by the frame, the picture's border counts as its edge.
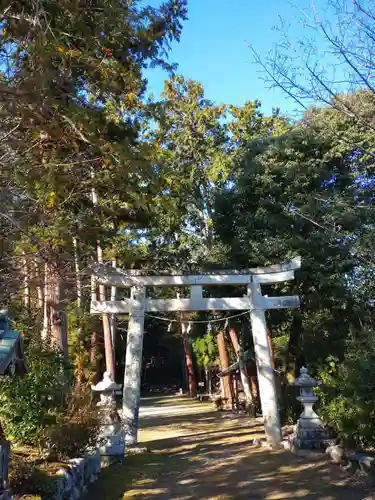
(76, 427)
(30, 403)
(25, 478)
(348, 395)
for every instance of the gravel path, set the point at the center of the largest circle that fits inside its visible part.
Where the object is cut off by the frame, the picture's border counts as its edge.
(198, 453)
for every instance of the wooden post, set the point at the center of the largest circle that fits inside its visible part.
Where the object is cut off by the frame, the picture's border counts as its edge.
(108, 347)
(133, 365)
(241, 365)
(112, 317)
(26, 282)
(189, 361)
(266, 376)
(226, 380)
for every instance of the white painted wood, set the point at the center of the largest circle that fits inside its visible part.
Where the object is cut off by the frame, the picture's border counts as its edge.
(138, 305)
(203, 304)
(112, 318)
(196, 292)
(160, 305)
(266, 376)
(109, 307)
(292, 265)
(281, 302)
(273, 277)
(194, 304)
(133, 365)
(119, 277)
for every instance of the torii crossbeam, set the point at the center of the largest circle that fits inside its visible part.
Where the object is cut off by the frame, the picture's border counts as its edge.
(139, 304)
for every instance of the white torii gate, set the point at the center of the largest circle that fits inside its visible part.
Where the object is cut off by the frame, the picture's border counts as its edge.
(139, 304)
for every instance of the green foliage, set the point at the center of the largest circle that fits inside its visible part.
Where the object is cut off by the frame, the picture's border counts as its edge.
(25, 478)
(77, 426)
(205, 350)
(72, 116)
(299, 189)
(182, 184)
(190, 154)
(30, 403)
(348, 396)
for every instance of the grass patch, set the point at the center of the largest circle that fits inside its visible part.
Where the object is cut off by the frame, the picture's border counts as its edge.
(124, 481)
(30, 475)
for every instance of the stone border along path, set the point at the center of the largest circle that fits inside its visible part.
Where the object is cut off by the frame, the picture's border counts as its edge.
(196, 452)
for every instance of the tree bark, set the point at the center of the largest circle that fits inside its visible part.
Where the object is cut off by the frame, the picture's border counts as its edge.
(38, 282)
(79, 369)
(208, 380)
(112, 317)
(108, 347)
(26, 282)
(109, 355)
(54, 324)
(226, 382)
(241, 365)
(192, 383)
(78, 281)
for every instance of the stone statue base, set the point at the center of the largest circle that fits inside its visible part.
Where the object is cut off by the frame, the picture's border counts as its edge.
(310, 436)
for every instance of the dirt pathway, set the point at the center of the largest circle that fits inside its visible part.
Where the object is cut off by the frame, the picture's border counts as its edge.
(198, 453)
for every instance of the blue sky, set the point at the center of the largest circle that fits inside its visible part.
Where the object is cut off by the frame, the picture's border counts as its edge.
(213, 49)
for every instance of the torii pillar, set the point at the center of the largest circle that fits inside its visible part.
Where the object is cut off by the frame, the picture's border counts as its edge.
(133, 365)
(264, 362)
(254, 301)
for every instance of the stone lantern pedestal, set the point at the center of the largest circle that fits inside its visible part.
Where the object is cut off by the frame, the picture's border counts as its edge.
(310, 433)
(112, 444)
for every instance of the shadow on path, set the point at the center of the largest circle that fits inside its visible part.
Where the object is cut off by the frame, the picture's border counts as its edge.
(199, 453)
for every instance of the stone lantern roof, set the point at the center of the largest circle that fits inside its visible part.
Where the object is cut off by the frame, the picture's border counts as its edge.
(305, 380)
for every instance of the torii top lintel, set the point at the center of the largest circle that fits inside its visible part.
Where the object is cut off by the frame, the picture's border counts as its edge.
(126, 278)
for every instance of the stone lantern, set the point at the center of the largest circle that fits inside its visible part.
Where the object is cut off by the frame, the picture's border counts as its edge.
(112, 444)
(310, 433)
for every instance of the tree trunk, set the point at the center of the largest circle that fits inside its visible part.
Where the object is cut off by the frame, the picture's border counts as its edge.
(208, 380)
(79, 368)
(241, 365)
(293, 346)
(36, 295)
(26, 282)
(192, 383)
(54, 324)
(112, 317)
(78, 284)
(226, 382)
(38, 282)
(46, 328)
(108, 347)
(109, 355)
(96, 345)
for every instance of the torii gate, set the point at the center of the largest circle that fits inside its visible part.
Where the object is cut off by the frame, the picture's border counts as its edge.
(139, 304)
